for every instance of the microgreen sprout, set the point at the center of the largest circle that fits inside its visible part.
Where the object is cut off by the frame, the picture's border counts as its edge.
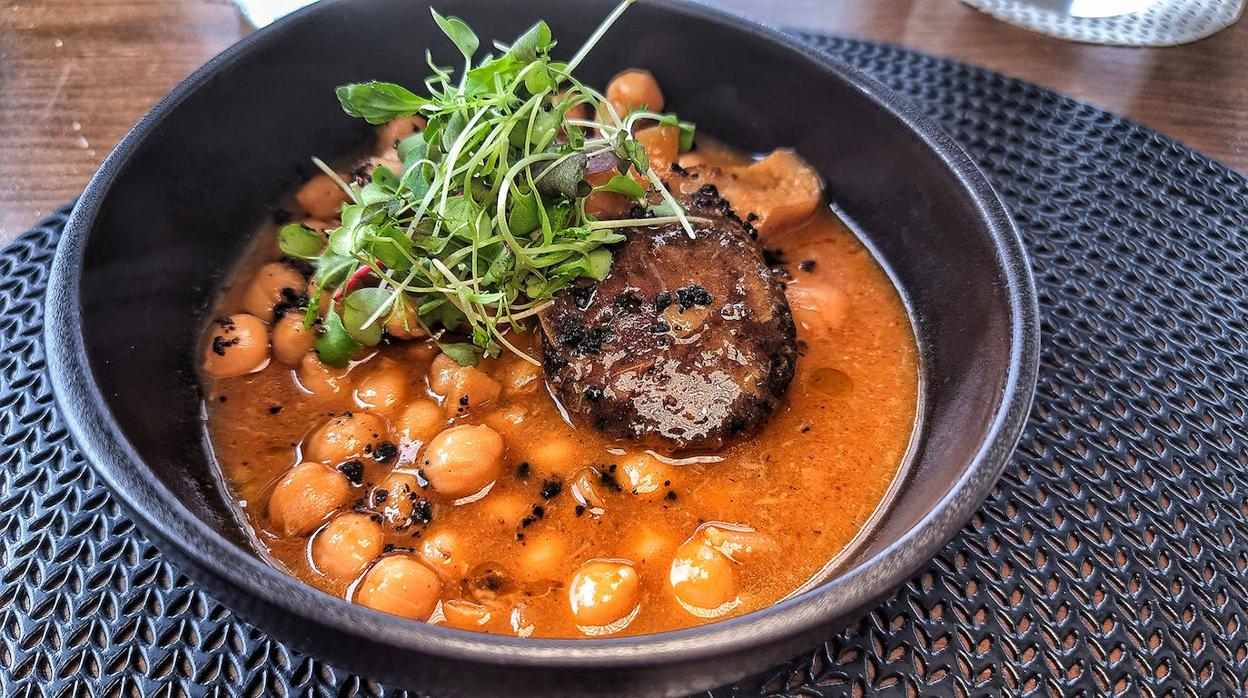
(485, 220)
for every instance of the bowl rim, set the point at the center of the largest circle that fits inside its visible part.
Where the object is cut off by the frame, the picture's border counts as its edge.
(118, 464)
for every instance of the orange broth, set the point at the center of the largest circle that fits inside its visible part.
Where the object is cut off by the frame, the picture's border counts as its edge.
(809, 482)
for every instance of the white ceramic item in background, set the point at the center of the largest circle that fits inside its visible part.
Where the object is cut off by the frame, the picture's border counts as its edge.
(1118, 22)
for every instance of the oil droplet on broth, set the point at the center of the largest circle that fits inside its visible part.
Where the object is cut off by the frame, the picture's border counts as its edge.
(831, 382)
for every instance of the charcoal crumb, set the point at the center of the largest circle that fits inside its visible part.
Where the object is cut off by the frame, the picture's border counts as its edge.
(388, 548)
(275, 409)
(354, 470)
(806, 265)
(661, 301)
(463, 400)
(220, 344)
(773, 257)
(593, 393)
(523, 470)
(670, 496)
(539, 511)
(628, 302)
(422, 511)
(580, 510)
(582, 340)
(380, 496)
(385, 452)
(551, 488)
(691, 295)
(583, 294)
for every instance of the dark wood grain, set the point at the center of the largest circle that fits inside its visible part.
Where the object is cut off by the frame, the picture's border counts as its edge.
(76, 74)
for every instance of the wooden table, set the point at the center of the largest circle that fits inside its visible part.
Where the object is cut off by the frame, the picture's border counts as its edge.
(76, 74)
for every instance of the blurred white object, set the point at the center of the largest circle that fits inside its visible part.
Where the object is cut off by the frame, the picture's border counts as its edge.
(262, 12)
(1118, 22)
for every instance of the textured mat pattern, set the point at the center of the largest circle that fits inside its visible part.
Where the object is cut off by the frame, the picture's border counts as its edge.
(1111, 559)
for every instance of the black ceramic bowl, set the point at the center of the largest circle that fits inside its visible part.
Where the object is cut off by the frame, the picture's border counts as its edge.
(175, 204)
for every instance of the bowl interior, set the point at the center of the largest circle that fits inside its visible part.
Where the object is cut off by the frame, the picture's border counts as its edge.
(177, 210)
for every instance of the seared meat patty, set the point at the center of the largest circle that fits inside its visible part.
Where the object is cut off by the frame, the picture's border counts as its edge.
(687, 344)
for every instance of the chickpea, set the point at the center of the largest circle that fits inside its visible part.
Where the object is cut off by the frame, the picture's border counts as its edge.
(321, 197)
(738, 544)
(554, 454)
(442, 374)
(319, 378)
(603, 592)
(542, 556)
(471, 388)
(647, 544)
(305, 496)
(645, 476)
(346, 436)
(390, 133)
(399, 501)
(271, 284)
(520, 376)
(239, 345)
(634, 89)
(818, 306)
(702, 577)
(385, 387)
(441, 549)
(400, 585)
(416, 424)
(344, 548)
(463, 460)
(506, 509)
(465, 615)
(402, 322)
(291, 339)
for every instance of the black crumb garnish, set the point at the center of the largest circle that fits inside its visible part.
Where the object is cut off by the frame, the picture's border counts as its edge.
(275, 409)
(805, 428)
(659, 327)
(580, 510)
(222, 398)
(523, 470)
(607, 478)
(707, 197)
(385, 452)
(661, 301)
(463, 399)
(806, 265)
(539, 511)
(670, 496)
(380, 496)
(628, 302)
(354, 470)
(691, 295)
(551, 488)
(388, 548)
(679, 170)
(292, 301)
(580, 339)
(593, 393)
(422, 511)
(527, 521)
(225, 323)
(519, 536)
(773, 257)
(583, 294)
(751, 217)
(220, 344)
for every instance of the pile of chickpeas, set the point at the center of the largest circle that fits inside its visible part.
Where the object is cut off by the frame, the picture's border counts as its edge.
(429, 451)
(433, 453)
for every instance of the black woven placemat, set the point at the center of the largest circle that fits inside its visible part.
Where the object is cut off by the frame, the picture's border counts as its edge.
(1112, 557)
